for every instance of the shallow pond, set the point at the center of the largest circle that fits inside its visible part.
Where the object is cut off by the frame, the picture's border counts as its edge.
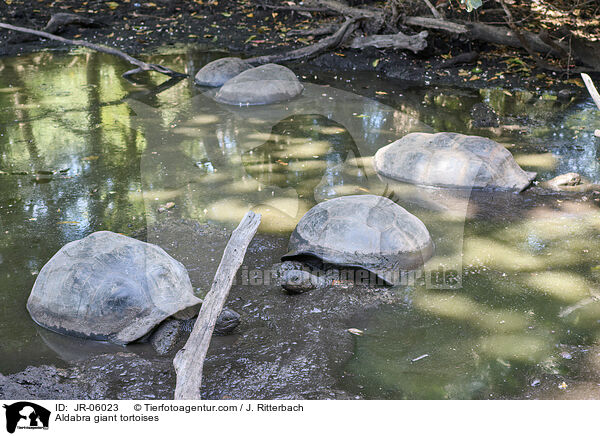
(82, 150)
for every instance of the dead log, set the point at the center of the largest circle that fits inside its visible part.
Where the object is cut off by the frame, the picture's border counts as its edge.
(329, 43)
(189, 361)
(374, 21)
(141, 66)
(501, 35)
(434, 23)
(415, 43)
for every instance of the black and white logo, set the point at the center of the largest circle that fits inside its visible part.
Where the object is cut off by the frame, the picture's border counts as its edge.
(26, 415)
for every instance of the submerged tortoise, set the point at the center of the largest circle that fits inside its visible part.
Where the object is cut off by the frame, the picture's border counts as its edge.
(451, 160)
(111, 287)
(367, 232)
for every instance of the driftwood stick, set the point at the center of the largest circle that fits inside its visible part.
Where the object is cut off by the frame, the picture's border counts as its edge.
(329, 43)
(141, 66)
(189, 361)
(591, 88)
(594, 93)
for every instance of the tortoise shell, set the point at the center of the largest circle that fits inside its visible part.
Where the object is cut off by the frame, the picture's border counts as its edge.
(364, 231)
(451, 160)
(111, 287)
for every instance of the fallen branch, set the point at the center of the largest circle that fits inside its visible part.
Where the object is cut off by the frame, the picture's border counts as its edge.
(434, 23)
(189, 361)
(415, 43)
(141, 66)
(500, 35)
(594, 93)
(591, 88)
(329, 43)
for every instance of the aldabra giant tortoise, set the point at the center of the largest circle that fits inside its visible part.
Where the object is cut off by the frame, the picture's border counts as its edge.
(216, 73)
(267, 84)
(451, 160)
(110, 287)
(360, 231)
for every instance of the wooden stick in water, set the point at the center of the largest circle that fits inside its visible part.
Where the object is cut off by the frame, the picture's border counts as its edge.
(594, 93)
(189, 361)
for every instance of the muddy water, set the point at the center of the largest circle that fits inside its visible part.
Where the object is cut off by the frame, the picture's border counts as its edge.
(514, 316)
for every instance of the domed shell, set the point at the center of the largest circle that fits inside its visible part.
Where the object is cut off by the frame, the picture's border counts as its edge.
(365, 231)
(216, 73)
(451, 160)
(111, 287)
(269, 83)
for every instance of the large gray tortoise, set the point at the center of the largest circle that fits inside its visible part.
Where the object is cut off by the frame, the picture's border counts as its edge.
(368, 232)
(451, 160)
(110, 287)
(267, 84)
(216, 73)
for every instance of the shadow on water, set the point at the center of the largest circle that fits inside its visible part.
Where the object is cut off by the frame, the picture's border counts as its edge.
(83, 150)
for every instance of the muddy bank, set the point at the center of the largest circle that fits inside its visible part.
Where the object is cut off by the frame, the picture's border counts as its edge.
(250, 29)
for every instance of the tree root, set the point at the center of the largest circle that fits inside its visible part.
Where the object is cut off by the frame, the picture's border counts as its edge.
(329, 43)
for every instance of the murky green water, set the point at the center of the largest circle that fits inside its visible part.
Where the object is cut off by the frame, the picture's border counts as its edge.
(84, 150)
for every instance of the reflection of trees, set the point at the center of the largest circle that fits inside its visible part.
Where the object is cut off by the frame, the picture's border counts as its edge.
(57, 110)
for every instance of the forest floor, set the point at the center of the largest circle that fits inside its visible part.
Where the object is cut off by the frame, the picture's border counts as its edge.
(248, 28)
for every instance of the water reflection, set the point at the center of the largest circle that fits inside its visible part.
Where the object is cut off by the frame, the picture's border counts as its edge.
(112, 153)
(306, 153)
